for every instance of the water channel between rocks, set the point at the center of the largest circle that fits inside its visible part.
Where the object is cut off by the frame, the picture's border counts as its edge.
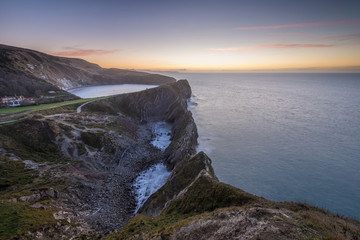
(152, 179)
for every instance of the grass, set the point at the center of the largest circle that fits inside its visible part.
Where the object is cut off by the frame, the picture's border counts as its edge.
(69, 108)
(330, 225)
(183, 174)
(20, 139)
(13, 173)
(206, 195)
(92, 139)
(16, 181)
(42, 106)
(17, 219)
(141, 224)
(81, 148)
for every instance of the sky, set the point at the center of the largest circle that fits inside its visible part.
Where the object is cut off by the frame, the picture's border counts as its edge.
(197, 35)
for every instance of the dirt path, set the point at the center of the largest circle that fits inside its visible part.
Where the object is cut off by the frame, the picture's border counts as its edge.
(79, 109)
(10, 121)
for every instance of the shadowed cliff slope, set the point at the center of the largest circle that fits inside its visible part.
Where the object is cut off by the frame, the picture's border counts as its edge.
(28, 72)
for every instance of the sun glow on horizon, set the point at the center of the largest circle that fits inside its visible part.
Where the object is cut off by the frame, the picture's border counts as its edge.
(260, 60)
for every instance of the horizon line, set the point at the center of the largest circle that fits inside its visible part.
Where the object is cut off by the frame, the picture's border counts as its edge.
(312, 24)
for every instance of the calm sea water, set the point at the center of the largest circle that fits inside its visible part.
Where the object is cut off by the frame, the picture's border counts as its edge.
(286, 137)
(108, 90)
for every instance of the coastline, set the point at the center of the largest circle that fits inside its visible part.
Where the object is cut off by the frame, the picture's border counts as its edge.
(94, 157)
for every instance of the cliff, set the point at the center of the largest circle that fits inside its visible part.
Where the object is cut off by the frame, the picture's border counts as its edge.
(193, 204)
(73, 179)
(29, 73)
(164, 103)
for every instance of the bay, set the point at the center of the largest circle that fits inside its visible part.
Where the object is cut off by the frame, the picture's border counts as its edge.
(108, 90)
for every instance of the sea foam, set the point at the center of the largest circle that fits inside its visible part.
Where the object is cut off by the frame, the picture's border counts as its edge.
(148, 182)
(162, 131)
(152, 179)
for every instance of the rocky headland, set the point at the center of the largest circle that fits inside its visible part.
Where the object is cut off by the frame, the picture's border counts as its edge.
(32, 73)
(70, 175)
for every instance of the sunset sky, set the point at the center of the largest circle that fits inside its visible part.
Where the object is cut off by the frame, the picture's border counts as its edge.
(193, 35)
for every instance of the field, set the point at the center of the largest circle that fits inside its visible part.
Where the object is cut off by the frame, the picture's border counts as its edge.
(40, 107)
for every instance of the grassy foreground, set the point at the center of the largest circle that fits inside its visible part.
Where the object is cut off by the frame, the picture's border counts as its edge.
(42, 106)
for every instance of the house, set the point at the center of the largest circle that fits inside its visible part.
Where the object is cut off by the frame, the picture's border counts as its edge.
(14, 103)
(4, 100)
(29, 100)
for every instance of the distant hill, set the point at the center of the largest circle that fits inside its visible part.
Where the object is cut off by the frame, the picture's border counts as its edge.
(31, 73)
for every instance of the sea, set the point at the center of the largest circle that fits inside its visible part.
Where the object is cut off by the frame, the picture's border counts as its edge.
(108, 90)
(286, 137)
(282, 136)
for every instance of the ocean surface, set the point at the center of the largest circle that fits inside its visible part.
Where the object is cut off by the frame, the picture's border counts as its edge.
(286, 137)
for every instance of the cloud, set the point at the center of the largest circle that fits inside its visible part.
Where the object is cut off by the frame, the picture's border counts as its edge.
(79, 52)
(300, 25)
(272, 46)
(271, 39)
(296, 34)
(349, 37)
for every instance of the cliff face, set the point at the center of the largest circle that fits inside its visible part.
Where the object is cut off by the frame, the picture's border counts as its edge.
(23, 71)
(193, 188)
(165, 103)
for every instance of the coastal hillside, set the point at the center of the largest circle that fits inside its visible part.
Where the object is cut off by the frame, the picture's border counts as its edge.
(31, 73)
(75, 178)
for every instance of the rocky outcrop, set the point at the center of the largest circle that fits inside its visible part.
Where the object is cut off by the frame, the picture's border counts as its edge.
(168, 103)
(165, 103)
(185, 173)
(28, 72)
(184, 140)
(191, 186)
